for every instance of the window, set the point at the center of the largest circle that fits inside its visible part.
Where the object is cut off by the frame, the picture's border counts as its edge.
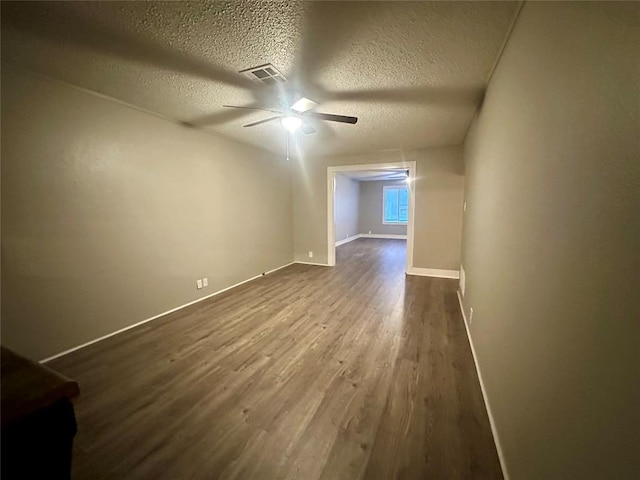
(395, 208)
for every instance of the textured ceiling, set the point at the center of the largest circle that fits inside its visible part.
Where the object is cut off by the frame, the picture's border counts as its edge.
(413, 72)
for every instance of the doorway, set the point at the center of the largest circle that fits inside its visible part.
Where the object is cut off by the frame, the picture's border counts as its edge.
(372, 169)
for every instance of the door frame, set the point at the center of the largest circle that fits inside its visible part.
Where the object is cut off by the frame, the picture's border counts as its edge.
(331, 184)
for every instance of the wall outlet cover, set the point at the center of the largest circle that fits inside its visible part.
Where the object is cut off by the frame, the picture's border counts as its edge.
(205, 282)
(198, 284)
(310, 254)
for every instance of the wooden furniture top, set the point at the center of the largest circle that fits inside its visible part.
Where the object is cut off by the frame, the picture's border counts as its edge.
(28, 386)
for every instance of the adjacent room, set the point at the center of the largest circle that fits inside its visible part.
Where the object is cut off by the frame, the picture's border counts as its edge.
(373, 202)
(320, 240)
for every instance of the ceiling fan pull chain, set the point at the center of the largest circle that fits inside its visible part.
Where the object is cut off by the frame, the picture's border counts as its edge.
(287, 145)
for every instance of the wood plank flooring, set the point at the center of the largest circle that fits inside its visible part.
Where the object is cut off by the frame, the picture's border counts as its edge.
(350, 372)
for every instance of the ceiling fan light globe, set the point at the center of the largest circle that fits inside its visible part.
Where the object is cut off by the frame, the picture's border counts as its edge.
(291, 123)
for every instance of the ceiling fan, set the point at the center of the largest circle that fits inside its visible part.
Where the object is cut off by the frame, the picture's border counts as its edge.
(294, 117)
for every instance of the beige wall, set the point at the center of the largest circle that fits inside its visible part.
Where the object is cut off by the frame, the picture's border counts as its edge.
(347, 196)
(439, 199)
(370, 218)
(551, 237)
(109, 215)
(439, 193)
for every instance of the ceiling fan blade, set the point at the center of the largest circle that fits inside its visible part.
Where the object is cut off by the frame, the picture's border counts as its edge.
(253, 108)
(331, 117)
(262, 121)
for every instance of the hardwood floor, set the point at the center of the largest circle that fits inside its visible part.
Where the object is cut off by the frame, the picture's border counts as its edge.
(350, 372)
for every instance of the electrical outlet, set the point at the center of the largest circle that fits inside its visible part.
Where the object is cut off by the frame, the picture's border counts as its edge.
(198, 284)
(464, 206)
(310, 254)
(369, 232)
(205, 282)
(470, 315)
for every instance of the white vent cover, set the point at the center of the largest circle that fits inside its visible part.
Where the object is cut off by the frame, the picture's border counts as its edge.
(266, 73)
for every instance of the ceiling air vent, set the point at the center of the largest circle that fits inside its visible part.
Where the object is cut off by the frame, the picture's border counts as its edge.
(266, 73)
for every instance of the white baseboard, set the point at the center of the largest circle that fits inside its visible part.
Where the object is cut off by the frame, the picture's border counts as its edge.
(312, 263)
(104, 337)
(383, 235)
(347, 240)
(494, 431)
(433, 272)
